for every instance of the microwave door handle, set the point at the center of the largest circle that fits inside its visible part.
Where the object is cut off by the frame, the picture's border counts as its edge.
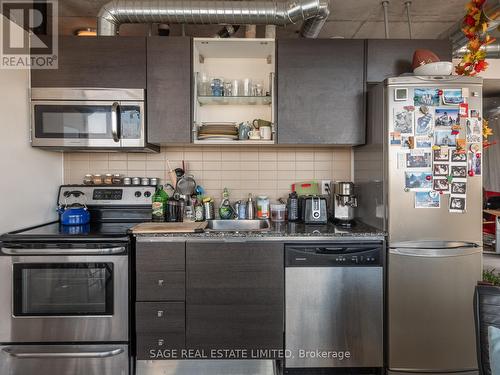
(96, 354)
(115, 121)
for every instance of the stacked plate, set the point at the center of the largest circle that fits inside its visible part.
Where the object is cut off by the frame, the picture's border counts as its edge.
(218, 131)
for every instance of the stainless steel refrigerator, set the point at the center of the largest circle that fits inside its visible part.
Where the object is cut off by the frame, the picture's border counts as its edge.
(434, 251)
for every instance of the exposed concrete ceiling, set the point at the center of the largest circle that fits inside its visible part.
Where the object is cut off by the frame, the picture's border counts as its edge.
(361, 19)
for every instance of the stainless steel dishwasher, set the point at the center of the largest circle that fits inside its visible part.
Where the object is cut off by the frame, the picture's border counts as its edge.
(334, 305)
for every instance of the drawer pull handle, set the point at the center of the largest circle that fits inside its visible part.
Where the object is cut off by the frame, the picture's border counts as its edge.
(161, 342)
(160, 313)
(161, 282)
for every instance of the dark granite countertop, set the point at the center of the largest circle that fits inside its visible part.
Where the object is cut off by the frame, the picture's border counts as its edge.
(283, 231)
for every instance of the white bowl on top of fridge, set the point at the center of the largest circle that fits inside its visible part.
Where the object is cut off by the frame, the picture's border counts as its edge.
(440, 68)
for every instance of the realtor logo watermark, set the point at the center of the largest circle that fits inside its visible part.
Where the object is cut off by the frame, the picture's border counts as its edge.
(28, 34)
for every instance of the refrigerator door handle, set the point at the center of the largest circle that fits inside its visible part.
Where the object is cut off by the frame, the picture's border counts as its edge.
(436, 253)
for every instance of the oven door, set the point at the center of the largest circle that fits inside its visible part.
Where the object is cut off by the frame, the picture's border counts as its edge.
(87, 124)
(54, 298)
(64, 360)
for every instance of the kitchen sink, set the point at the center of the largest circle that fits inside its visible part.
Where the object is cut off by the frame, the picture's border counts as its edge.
(238, 225)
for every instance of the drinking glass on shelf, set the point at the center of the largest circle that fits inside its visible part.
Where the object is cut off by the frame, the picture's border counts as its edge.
(228, 89)
(236, 87)
(258, 89)
(247, 87)
(203, 84)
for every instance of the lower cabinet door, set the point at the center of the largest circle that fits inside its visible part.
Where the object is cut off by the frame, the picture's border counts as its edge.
(160, 345)
(235, 299)
(160, 328)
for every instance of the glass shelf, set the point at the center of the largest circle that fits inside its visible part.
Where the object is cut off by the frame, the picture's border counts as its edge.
(235, 100)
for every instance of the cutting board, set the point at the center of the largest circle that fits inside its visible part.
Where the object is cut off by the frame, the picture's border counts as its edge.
(169, 227)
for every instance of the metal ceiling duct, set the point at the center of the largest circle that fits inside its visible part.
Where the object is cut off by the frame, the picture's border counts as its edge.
(313, 13)
(491, 10)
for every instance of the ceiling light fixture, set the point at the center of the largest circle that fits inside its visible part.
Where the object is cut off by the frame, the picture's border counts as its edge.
(88, 31)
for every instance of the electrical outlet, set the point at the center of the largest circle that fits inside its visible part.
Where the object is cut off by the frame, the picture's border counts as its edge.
(325, 187)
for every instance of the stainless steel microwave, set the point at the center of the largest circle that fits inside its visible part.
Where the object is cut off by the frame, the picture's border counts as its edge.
(89, 119)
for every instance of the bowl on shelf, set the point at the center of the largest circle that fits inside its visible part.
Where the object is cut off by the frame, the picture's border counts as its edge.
(440, 68)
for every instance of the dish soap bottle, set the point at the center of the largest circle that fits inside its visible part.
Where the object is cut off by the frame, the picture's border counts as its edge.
(160, 199)
(225, 209)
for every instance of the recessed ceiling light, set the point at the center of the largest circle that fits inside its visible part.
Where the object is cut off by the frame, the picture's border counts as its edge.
(88, 31)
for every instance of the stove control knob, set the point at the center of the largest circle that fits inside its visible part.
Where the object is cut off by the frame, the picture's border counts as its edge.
(138, 194)
(147, 194)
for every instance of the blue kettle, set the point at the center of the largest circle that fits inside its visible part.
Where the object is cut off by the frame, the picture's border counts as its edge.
(75, 213)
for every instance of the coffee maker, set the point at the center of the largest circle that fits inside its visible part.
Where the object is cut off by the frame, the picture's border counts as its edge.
(344, 203)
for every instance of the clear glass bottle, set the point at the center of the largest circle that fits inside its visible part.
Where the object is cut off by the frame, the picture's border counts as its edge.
(160, 199)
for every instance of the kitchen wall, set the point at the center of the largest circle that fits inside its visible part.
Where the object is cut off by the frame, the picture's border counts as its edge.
(30, 177)
(260, 170)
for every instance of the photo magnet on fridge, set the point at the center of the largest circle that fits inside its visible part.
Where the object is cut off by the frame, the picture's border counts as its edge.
(444, 138)
(459, 171)
(474, 163)
(458, 157)
(423, 142)
(446, 117)
(442, 154)
(418, 180)
(441, 184)
(426, 96)
(408, 142)
(474, 130)
(463, 110)
(395, 138)
(424, 122)
(452, 96)
(457, 204)
(458, 186)
(403, 121)
(418, 161)
(424, 199)
(441, 170)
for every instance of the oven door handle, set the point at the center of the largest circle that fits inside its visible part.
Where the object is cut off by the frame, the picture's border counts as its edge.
(104, 354)
(103, 251)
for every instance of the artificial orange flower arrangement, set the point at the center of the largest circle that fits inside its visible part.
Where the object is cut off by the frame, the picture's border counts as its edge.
(487, 132)
(475, 27)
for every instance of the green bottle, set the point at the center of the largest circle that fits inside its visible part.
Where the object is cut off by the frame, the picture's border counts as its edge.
(160, 199)
(225, 210)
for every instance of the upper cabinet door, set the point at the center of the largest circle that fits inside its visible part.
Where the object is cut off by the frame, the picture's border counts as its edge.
(169, 89)
(392, 57)
(108, 61)
(321, 91)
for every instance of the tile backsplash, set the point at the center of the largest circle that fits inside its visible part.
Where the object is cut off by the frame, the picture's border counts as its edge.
(243, 170)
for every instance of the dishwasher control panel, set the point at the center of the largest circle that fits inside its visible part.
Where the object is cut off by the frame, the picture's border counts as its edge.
(334, 255)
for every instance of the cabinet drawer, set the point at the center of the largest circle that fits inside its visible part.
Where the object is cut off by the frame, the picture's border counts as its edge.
(166, 317)
(158, 345)
(160, 256)
(161, 286)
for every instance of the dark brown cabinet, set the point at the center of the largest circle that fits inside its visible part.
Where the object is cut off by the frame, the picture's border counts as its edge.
(109, 62)
(160, 298)
(235, 296)
(321, 91)
(169, 69)
(392, 57)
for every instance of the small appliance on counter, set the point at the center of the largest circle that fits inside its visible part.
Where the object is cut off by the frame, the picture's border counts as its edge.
(344, 203)
(314, 210)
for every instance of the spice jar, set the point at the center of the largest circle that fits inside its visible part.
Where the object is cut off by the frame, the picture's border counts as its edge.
(117, 179)
(97, 179)
(108, 179)
(88, 179)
